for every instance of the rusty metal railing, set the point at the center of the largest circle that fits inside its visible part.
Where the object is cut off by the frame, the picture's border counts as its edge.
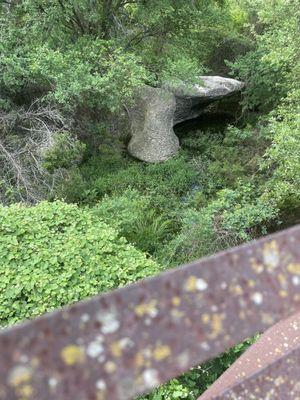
(127, 342)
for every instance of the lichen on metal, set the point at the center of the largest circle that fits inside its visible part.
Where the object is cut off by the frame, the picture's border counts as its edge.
(126, 342)
(274, 344)
(278, 381)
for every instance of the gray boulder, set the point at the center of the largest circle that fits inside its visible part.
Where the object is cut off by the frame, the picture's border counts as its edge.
(157, 110)
(153, 139)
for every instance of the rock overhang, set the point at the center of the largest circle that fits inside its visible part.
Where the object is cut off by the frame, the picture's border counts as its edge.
(157, 110)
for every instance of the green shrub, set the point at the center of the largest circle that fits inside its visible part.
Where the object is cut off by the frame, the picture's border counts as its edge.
(235, 216)
(272, 68)
(172, 177)
(282, 162)
(132, 215)
(54, 254)
(122, 211)
(110, 175)
(64, 152)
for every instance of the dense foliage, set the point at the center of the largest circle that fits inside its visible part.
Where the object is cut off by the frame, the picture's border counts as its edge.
(68, 72)
(54, 254)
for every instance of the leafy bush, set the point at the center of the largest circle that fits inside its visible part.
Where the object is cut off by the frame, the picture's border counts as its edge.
(105, 80)
(270, 70)
(132, 215)
(282, 161)
(54, 254)
(235, 216)
(113, 174)
(64, 151)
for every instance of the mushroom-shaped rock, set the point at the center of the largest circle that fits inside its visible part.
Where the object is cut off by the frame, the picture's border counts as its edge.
(157, 110)
(153, 139)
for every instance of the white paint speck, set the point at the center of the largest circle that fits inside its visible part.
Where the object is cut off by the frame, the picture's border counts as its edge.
(201, 284)
(85, 318)
(150, 377)
(271, 258)
(126, 343)
(52, 382)
(109, 322)
(100, 384)
(94, 349)
(205, 346)
(257, 298)
(296, 280)
(223, 285)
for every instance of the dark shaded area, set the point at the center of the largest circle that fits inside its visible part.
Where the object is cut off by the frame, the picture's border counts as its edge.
(208, 121)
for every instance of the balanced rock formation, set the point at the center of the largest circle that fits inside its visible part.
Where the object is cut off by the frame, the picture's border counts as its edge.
(157, 110)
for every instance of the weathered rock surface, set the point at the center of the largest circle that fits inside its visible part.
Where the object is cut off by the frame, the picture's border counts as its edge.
(192, 99)
(157, 110)
(153, 139)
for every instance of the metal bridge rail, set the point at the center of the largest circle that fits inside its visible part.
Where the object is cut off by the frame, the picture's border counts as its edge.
(126, 342)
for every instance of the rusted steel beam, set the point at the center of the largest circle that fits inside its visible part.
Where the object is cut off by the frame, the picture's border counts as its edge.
(273, 345)
(121, 344)
(279, 380)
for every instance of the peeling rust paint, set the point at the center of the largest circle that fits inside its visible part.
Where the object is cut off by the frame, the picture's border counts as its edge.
(126, 342)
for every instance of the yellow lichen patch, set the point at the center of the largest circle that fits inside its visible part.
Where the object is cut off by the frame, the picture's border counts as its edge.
(236, 289)
(279, 381)
(294, 268)
(139, 359)
(19, 375)
(271, 254)
(283, 293)
(176, 301)
(205, 318)
(35, 362)
(146, 309)
(177, 314)
(251, 283)
(161, 352)
(282, 279)
(26, 391)
(191, 284)
(258, 268)
(116, 349)
(110, 367)
(72, 355)
(216, 325)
